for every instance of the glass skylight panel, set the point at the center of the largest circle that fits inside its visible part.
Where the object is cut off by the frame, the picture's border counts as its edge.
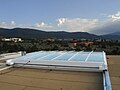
(63, 58)
(96, 57)
(33, 56)
(66, 56)
(49, 53)
(51, 56)
(40, 55)
(28, 56)
(80, 56)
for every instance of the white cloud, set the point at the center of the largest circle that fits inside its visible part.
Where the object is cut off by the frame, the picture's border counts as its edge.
(11, 24)
(115, 17)
(96, 26)
(64, 24)
(61, 21)
(3, 25)
(77, 24)
(110, 25)
(42, 25)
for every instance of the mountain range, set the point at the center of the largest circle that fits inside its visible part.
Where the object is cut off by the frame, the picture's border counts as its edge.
(39, 34)
(113, 36)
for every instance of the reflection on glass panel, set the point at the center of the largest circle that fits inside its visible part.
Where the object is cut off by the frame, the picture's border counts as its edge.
(29, 55)
(80, 56)
(66, 56)
(51, 56)
(40, 55)
(96, 57)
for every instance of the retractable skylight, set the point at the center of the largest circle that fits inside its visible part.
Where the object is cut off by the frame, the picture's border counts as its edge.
(64, 59)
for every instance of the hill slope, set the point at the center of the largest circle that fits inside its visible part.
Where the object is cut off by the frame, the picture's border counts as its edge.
(114, 36)
(32, 33)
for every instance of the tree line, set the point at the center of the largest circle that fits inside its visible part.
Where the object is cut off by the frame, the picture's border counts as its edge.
(110, 47)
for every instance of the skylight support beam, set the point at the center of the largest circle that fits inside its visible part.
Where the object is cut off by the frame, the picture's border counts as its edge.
(106, 80)
(88, 56)
(59, 56)
(44, 56)
(74, 55)
(34, 55)
(105, 61)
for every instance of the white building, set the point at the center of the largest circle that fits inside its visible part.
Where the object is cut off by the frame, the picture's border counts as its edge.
(12, 39)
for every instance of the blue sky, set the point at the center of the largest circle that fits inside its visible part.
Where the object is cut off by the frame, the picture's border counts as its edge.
(56, 15)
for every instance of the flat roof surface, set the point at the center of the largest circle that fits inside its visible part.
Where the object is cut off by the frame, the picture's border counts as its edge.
(10, 80)
(6, 56)
(114, 71)
(38, 79)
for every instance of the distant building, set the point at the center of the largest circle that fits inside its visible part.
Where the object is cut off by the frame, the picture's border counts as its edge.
(86, 43)
(99, 40)
(74, 44)
(12, 39)
(83, 39)
(50, 39)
